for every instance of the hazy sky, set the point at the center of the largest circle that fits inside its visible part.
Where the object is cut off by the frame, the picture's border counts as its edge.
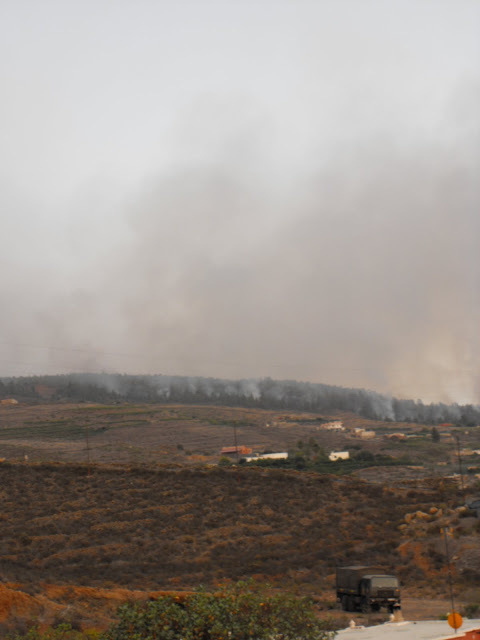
(243, 189)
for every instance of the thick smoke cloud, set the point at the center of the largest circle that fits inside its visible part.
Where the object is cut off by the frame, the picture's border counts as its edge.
(317, 222)
(365, 276)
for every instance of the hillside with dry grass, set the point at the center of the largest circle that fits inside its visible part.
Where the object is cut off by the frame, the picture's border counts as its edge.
(122, 523)
(76, 540)
(156, 528)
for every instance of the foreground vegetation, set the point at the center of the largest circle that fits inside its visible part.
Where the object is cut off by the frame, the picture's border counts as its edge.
(239, 612)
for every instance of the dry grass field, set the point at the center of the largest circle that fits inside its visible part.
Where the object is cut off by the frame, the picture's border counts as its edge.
(141, 433)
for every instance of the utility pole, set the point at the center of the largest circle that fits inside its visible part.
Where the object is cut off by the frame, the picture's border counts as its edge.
(235, 440)
(88, 450)
(460, 470)
(448, 531)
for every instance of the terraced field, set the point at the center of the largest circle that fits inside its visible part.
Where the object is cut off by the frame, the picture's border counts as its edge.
(149, 433)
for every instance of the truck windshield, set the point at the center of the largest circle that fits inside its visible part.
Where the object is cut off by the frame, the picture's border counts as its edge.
(383, 582)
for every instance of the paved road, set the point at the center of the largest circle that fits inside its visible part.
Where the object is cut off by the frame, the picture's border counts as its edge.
(421, 630)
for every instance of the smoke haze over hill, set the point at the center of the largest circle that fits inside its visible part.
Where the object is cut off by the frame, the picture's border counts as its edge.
(243, 191)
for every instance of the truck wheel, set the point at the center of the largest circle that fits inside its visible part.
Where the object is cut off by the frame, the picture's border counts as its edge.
(344, 603)
(351, 603)
(366, 608)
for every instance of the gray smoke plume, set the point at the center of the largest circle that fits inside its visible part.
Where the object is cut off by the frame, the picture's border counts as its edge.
(236, 202)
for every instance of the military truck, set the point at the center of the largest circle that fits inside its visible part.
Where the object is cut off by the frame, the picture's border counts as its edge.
(367, 589)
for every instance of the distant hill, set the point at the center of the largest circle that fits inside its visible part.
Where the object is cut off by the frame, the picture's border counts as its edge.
(258, 393)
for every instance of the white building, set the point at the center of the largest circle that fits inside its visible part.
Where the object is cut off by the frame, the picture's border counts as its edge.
(269, 456)
(338, 455)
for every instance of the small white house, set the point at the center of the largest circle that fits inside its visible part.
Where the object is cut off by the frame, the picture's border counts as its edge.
(269, 456)
(338, 455)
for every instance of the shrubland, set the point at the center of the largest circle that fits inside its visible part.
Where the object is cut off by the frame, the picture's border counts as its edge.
(169, 527)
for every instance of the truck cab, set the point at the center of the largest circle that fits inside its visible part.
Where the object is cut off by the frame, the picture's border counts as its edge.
(379, 590)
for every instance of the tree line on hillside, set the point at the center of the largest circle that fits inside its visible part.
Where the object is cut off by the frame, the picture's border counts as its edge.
(256, 393)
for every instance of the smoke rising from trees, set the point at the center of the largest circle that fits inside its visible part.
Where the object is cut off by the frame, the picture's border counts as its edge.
(261, 393)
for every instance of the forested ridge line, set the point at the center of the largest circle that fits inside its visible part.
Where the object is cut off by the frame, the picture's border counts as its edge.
(264, 393)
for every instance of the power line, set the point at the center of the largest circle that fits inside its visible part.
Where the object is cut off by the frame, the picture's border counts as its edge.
(275, 365)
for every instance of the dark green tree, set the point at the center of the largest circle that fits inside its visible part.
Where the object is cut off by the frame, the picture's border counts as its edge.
(240, 612)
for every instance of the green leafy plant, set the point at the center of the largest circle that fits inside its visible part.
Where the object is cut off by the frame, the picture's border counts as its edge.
(244, 611)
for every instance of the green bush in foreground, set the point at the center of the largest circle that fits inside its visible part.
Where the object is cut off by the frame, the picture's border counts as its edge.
(244, 611)
(241, 612)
